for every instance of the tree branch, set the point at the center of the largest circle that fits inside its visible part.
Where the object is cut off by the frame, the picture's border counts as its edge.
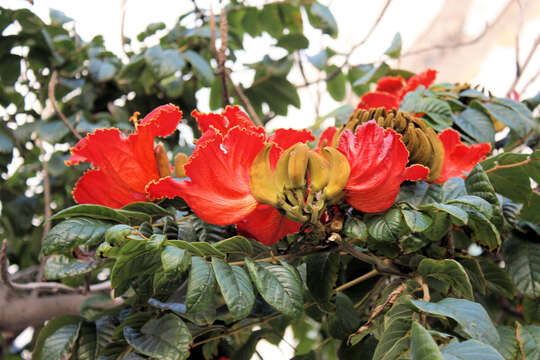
(521, 68)
(51, 88)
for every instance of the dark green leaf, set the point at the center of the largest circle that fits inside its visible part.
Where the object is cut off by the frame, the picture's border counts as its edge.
(201, 286)
(200, 66)
(235, 245)
(74, 232)
(199, 248)
(498, 280)
(174, 259)
(102, 70)
(149, 208)
(388, 227)
(476, 124)
(513, 119)
(522, 259)
(60, 266)
(394, 340)
(355, 228)
(235, 287)
(166, 338)
(449, 271)
(57, 338)
(92, 211)
(322, 271)
(336, 83)
(459, 216)
(280, 285)
(163, 63)
(529, 341)
(345, 320)
(292, 42)
(422, 344)
(416, 221)
(478, 184)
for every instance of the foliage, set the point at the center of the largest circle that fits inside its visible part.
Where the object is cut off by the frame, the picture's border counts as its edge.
(403, 283)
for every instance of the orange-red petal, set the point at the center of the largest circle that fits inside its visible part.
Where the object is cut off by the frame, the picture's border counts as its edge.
(219, 170)
(96, 187)
(284, 139)
(379, 99)
(327, 137)
(390, 84)
(378, 160)
(267, 225)
(459, 158)
(230, 117)
(425, 78)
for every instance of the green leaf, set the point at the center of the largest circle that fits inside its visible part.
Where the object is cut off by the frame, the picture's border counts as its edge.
(529, 341)
(419, 193)
(475, 202)
(201, 286)
(199, 248)
(319, 59)
(388, 227)
(235, 287)
(60, 266)
(235, 245)
(74, 232)
(355, 228)
(394, 340)
(320, 17)
(148, 208)
(200, 66)
(531, 310)
(56, 339)
(292, 42)
(476, 124)
(373, 75)
(336, 83)
(174, 259)
(322, 272)
(508, 347)
(271, 20)
(92, 211)
(247, 349)
(394, 50)
(422, 344)
(86, 347)
(101, 70)
(471, 316)
(58, 17)
(412, 243)
(484, 232)
(279, 285)
(470, 350)
(166, 338)
(498, 280)
(449, 271)
(416, 221)
(345, 320)
(439, 113)
(453, 188)
(216, 95)
(508, 116)
(474, 271)
(133, 264)
(52, 131)
(512, 182)
(163, 63)
(478, 184)
(459, 216)
(522, 259)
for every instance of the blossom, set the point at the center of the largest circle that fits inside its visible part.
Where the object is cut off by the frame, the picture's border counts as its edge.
(378, 160)
(122, 165)
(458, 157)
(391, 90)
(218, 189)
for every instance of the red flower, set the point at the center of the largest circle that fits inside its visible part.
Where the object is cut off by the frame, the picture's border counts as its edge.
(392, 89)
(458, 157)
(378, 160)
(219, 170)
(123, 165)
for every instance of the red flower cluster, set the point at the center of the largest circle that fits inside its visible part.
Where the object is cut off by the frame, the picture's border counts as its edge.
(392, 89)
(219, 171)
(123, 165)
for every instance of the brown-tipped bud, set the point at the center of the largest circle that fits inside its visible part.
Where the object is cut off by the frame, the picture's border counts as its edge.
(297, 166)
(339, 174)
(262, 183)
(421, 141)
(319, 171)
(163, 165)
(180, 160)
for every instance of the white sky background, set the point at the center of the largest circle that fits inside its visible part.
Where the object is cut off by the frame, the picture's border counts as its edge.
(354, 17)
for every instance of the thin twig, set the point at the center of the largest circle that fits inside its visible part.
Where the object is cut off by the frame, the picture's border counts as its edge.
(531, 80)
(445, 46)
(51, 286)
(219, 54)
(521, 69)
(52, 86)
(520, 24)
(122, 26)
(358, 280)
(498, 167)
(245, 101)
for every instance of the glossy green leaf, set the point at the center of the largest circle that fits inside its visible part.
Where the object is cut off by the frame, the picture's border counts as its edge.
(174, 259)
(235, 287)
(472, 317)
(476, 124)
(60, 266)
(166, 338)
(148, 208)
(92, 211)
(388, 227)
(459, 216)
(422, 344)
(475, 202)
(163, 63)
(202, 286)
(345, 320)
(235, 245)
(199, 248)
(449, 271)
(101, 70)
(355, 228)
(470, 350)
(478, 184)
(279, 285)
(522, 259)
(395, 339)
(497, 279)
(74, 232)
(416, 221)
(57, 338)
(200, 66)
(529, 341)
(322, 272)
(508, 347)
(320, 17)
(513, 119)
